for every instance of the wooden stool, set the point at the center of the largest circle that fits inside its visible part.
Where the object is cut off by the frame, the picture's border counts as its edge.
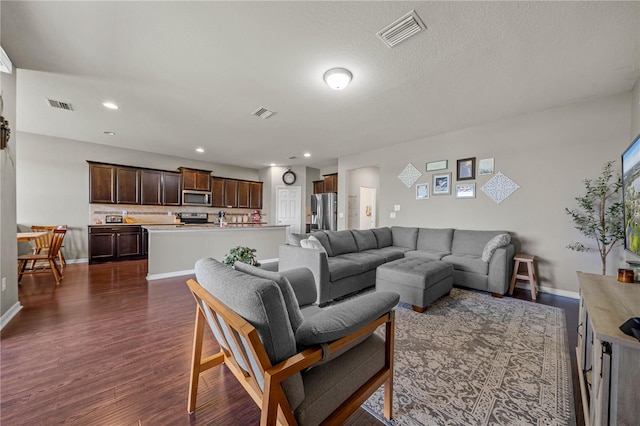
(528, 275)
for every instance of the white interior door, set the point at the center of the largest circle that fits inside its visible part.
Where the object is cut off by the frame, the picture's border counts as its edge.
(367, 208)
(288, 210)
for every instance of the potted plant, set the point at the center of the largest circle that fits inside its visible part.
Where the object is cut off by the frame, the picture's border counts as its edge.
(241, 254)
(599, 214)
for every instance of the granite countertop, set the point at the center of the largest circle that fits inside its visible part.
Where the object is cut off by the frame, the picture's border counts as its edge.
(210, 227)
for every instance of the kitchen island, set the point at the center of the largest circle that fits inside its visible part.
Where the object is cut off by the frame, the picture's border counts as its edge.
(174, 249)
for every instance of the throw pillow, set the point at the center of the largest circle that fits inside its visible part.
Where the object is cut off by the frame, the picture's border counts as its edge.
(294, 239)
(496, 242)
(312, 243)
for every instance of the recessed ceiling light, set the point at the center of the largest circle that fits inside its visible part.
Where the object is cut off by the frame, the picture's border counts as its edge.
(109, 133)
(110, 105)
(306, 154)
(200, 150)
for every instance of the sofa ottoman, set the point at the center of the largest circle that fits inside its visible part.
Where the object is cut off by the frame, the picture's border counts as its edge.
(419, 282)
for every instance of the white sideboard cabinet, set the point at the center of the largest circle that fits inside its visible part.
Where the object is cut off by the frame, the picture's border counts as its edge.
(608, 359)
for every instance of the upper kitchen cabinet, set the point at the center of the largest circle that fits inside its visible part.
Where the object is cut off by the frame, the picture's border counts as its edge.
(255, 195)
(151, 187)
(102, 183)
(331, 183)
(243, 194)
(127, 185)
(217, 192)
(171, 188)
(198, 180)
(230, 193)
(318, 186)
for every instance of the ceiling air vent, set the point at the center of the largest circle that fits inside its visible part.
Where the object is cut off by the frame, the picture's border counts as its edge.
(59, 104)
(263, 113)
(401, 29)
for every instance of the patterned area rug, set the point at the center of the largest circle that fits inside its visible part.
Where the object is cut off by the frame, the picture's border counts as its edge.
(471, 359)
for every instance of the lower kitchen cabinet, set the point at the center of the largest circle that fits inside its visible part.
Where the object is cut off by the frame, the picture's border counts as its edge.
(114, 243)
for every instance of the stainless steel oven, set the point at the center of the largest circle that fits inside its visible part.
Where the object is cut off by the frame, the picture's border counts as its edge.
(196, 198)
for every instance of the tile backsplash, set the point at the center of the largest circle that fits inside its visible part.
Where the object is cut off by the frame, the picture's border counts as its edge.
(161, 214)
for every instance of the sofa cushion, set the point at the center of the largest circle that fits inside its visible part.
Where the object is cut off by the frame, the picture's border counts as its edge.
(365, 239)
(342, 268)
(312, 243)
(435, 240)
(290, 299)
(389, 253)
(342, 242)
(368, 261)
(404, 236)
(425, 254)
(495, 243)
(466, 242)
(384, 237)
(293, 239)
(324, 240)
(467, 263)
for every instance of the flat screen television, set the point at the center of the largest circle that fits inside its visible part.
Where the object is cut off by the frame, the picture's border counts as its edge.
(631, 196)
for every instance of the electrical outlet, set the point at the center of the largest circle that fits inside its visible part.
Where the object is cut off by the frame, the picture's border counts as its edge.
(4, 283)
(392, 215)
(396, 207)
(124, 212)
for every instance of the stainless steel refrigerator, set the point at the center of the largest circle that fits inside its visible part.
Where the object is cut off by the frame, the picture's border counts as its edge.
(324, 211)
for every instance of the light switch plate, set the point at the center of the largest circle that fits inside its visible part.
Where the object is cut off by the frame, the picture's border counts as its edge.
(392, 215)
(396, 207)
(341, 214)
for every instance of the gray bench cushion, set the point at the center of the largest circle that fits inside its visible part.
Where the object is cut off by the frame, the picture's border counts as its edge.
(435, 240)
(368, 261)
(415, 272)
(468, 263)
(341, 242)
(389, 253)
(383, 237)
(365, 239)
(342, 268)
(426, 254)
(404, 237)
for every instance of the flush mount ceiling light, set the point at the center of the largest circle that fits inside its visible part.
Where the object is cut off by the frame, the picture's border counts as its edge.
(306, 154)
(110, 105)
(109, 133)
(200, 150)
(338, 78)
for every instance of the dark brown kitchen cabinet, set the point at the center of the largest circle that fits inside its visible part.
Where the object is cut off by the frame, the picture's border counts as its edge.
(198, 180)
(331, 183)
(151, 187)
(243, 194)
(171, 188)
(255, 195)
(113, 243)
(102, 183)
(318, 186)
(230, 193)
(217, 190)
(127, 185)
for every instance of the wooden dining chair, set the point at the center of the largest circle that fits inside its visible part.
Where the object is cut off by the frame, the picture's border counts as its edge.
(41, 244)
(50, 256)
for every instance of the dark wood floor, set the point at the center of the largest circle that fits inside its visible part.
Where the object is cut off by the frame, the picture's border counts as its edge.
(108, 348)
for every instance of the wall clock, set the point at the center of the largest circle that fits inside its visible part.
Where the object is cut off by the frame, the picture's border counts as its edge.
(289, 177)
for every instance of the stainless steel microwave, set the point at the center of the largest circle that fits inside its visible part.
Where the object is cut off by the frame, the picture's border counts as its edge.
(196, 198)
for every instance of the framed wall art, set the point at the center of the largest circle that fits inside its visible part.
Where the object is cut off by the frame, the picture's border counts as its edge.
(441, 183)
(485, 166)
(466, 169)
(466, 190)
(437, 165)
(422, 191)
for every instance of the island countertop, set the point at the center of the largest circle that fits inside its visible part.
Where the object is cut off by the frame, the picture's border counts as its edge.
(174, 249)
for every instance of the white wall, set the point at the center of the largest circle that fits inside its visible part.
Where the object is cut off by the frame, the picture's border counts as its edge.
(8, 250)
(547, 153)
(52, 181)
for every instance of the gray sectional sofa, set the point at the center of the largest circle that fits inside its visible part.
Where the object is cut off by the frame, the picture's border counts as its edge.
(347, 260)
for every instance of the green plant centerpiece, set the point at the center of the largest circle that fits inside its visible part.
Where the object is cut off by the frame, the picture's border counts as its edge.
(599, 214)
(241, 254)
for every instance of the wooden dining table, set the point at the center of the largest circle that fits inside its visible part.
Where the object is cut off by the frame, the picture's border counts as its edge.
(24, 237)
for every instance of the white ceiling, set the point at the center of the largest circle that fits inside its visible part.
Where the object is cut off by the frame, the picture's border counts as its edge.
(189, 74)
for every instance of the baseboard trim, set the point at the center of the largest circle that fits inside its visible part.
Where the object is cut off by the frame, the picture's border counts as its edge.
(8, 316)
(81, 260)
(153, 277)
(550, 290)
